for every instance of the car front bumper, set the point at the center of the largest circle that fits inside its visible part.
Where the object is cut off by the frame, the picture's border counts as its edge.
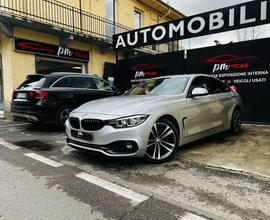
(127, 142)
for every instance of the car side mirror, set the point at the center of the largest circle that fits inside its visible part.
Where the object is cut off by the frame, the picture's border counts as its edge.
(198, 91)
(117, 92)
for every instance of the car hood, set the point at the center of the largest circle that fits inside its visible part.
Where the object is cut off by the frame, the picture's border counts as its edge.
(125, 105)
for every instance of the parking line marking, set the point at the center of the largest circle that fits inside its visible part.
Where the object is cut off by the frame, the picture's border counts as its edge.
(190, 216)
(8, 145)
(127, 193)
(44, 160)
(6, 126)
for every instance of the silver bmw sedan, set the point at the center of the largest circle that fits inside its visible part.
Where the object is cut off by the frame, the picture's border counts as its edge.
(154, 118)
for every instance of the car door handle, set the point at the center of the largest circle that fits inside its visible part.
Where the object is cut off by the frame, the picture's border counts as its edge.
(75, 93)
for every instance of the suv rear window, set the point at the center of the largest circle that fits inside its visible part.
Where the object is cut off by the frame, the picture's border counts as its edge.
(33, 81)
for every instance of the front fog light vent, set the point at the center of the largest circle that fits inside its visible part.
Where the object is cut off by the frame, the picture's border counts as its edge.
(129, 146)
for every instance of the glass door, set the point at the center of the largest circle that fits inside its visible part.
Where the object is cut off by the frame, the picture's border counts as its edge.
(46, 65)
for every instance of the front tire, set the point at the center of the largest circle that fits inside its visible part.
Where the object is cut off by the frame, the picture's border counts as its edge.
(235, 121)
(61, 116)
(163, 142)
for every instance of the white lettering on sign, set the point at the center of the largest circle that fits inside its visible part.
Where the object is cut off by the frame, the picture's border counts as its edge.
(144, 32)
(174, 29)
(201, 26)
(264, 10)
(243, 19)
(135, 40)
(231, 17)
(139, 74)
(220, 67)
(120, 42)
(216, 21)
(240, 16)
(158, 29)
(62, 51)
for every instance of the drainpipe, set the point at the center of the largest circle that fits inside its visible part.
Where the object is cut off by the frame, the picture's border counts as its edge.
(169, 12)
(164, 16)
(81, 14)
(114, 16)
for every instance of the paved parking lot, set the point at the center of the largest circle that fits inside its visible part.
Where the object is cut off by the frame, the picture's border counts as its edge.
(193, 182)
(249, 151)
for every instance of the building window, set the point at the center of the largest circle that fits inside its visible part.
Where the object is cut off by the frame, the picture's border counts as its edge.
(109, 9)
(137, 19)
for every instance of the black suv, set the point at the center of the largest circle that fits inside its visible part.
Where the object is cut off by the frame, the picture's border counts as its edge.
(50, 98)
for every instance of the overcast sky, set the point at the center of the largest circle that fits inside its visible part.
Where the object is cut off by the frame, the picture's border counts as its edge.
(192, 7)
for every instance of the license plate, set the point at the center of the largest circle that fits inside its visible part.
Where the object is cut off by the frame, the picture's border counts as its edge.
(21, 95)
(81, 135)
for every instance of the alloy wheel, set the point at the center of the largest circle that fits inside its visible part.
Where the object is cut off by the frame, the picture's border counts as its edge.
(64, 116)
(162, 142)
(236, 123)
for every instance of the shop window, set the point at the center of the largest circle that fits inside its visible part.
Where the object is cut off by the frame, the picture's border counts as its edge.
(48, 65)
(137, 19)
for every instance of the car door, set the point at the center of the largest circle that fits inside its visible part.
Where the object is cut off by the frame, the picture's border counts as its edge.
(84, 89)
(201, 110)
(223, 96)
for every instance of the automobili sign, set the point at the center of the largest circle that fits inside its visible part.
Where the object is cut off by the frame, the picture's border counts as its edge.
(226, 19)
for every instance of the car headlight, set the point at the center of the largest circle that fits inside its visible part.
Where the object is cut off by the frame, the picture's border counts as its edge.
(128, 122)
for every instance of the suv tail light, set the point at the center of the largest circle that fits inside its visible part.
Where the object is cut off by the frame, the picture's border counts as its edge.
(233, 88)
(37, 95)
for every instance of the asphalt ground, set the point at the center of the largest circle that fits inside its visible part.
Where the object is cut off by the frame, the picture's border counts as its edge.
(179, 189)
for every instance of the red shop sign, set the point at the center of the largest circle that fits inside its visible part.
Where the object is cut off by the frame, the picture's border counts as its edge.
(50, 49)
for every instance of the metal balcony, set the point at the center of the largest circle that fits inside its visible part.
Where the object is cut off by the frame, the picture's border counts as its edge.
(59, 16)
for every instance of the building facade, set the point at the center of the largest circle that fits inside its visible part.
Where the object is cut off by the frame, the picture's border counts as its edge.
(45, 36)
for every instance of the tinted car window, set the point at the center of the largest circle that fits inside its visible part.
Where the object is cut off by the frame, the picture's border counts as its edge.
(33, 81)
(200, 82)
(218, 86)
(103, 85)
(82, 82)
(62, 83)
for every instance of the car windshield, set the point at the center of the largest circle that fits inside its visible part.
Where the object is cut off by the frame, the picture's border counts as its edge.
(161, 86)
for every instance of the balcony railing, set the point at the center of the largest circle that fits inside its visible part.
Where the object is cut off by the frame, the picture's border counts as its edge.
(62, 16)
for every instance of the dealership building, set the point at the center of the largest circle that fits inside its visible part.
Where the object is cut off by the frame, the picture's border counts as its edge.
(45, 36)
